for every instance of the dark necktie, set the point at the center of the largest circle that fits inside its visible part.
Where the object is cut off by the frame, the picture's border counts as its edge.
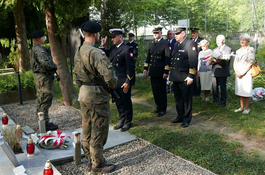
(156, 41)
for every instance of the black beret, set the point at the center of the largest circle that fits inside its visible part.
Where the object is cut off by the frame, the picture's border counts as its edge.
(37, 34)
(91, 26)
(179, 29)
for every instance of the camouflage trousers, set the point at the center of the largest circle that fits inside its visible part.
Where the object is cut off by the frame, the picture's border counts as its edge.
(44, 93)
(95, 126)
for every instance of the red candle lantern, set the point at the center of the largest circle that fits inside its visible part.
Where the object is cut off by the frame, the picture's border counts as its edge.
(5, 119)
(48, 168)
(30, 148)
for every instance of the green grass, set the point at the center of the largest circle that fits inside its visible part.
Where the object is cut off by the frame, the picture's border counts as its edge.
(204, 146)
(208, 150)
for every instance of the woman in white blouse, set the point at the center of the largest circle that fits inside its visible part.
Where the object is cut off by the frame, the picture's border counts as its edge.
(245, 57)
(204, 71)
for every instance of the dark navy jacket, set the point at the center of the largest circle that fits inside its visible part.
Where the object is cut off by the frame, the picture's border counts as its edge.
(123, 62)
(184, 61)
(158, 58)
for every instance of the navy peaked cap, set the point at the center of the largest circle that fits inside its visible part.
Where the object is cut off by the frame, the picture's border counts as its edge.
(131, 34)
(91, 26)
(37, 34)
(179, 29)
(194, 29)
(114, 32)
(157, 28)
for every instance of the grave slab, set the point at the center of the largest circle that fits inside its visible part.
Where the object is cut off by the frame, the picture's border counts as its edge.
(6, 164)
(33, 165)
(58, 155)
(28, 130)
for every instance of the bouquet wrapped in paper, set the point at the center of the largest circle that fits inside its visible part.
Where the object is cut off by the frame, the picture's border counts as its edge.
(53, 139)
(218, 55)
(258, 94)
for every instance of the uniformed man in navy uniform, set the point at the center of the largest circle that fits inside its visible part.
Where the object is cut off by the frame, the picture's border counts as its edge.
(183, 66)
(133, 45)
(123, 62)
(171, 39)
(197, 39)
(133, 48)
(157, 61)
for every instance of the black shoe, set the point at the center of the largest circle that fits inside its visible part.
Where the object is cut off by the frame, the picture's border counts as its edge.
(155, 111)
(50, 124)
(51, 127)
(125, 127)
(118, 126)
(184, 125)
(103, 168)
(222, 105)
(215, 101)
(161, 113)
(176, 121)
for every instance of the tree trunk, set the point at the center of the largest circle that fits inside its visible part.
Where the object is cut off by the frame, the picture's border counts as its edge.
(24, 60)
(103, 9)
(66, 83)
(64, 39)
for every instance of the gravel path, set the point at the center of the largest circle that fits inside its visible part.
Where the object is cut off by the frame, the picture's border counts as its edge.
(138, 157)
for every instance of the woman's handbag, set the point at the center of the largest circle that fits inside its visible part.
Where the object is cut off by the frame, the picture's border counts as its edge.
(255, 69)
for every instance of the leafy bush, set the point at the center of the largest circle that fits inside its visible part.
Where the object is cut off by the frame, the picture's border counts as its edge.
(4, 64)
(142, 53)
(260, 57)
(9, 82)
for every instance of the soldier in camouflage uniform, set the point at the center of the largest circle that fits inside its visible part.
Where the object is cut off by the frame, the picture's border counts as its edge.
(92, 67)
(43, 68)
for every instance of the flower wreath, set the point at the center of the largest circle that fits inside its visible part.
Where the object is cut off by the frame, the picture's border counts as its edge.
(53, 139)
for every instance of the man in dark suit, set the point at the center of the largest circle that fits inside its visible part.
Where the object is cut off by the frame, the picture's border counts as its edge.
(171, 39)
(183, 66)
(123, 62)
(196, 83)
(220, 71)
(133, 48)
(157, 61)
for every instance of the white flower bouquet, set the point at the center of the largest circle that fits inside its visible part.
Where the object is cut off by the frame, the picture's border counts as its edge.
(218, 55)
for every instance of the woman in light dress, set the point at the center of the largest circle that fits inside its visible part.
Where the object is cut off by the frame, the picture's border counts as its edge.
(204, 71)
(245, 57)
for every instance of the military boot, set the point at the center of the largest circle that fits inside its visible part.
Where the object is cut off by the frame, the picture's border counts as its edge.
(103, 168)
(51, 127)
(89, 165)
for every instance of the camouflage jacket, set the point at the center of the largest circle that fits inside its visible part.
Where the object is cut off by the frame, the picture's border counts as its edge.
(99, 67)
(41, 61)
